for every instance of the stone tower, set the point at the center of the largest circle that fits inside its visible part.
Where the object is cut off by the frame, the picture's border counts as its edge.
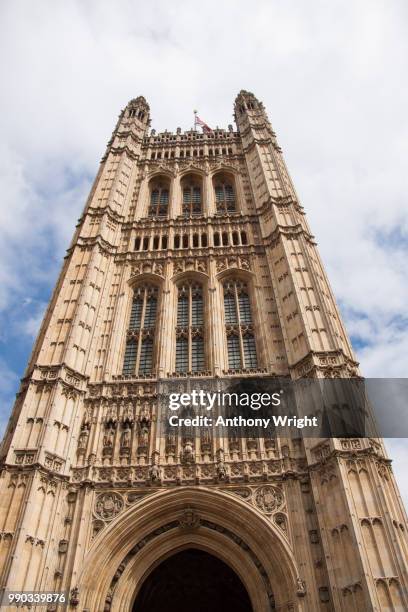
(192, 260)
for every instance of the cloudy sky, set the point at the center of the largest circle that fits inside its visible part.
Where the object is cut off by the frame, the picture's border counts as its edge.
(333, 78)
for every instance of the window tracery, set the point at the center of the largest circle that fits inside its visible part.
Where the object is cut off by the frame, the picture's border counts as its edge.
(138, 358)
(190, 354)
(241, 343)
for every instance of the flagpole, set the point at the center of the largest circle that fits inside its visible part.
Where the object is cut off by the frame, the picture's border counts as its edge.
(195, 120)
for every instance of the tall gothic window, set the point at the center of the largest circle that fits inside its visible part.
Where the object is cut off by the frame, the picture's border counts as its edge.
(159, 197)
(190, 328)
(241, 344)
(140, 335)
(224, 193)
(191, 186)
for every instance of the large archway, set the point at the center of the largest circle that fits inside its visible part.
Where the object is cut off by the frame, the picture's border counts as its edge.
(192, 579)
(165, 523)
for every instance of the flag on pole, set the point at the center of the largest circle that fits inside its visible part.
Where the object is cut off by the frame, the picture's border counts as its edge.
(197, 121)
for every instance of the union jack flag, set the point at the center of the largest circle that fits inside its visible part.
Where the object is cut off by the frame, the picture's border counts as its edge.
(200, 122)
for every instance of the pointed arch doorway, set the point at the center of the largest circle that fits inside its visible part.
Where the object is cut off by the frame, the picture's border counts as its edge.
(192, 579)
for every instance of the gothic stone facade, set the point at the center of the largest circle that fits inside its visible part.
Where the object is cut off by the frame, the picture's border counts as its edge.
(192, 258)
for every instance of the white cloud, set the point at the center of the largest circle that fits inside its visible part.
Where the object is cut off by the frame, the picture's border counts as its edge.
(332, 77)
(8, 386)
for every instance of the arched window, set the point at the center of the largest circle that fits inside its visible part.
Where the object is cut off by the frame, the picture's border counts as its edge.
(141, 332)
(224, 193)
(190, 355)
(241, 344)
(191, 186)
(159, 197)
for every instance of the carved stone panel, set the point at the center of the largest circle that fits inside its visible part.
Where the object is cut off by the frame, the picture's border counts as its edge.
(268, 498)
(108, 505)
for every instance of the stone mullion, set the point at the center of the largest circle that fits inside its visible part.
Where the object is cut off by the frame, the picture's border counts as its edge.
(215, 338)
(239, 327)
(223, 329)
(165, 332)
(210, 208)
(203, 195)
(141, 329)
(174, 203)
(156, 335)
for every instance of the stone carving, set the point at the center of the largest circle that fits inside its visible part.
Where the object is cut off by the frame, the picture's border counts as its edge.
(221, 470)
(125, 438)
(108, 505)
(74, 596)
(189, 519)
(83, 439)
(144, 428)
(182, 265)
(268, 498)
(127, 415)
(300, 587)
(245, 492)
(154, 473)
(108, 437)
(245, 263)
(63, 546)
(188, 455)
(280, 520)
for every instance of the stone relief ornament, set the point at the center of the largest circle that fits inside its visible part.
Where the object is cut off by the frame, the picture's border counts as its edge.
(188, 452)
(268, 498)
(189, 519)
(154, 473)
(125, 438)
(83, 439)
(108, 438)
(244, 492)
(221, 470)
(108, 505)
(280, 521)
(300, 587)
